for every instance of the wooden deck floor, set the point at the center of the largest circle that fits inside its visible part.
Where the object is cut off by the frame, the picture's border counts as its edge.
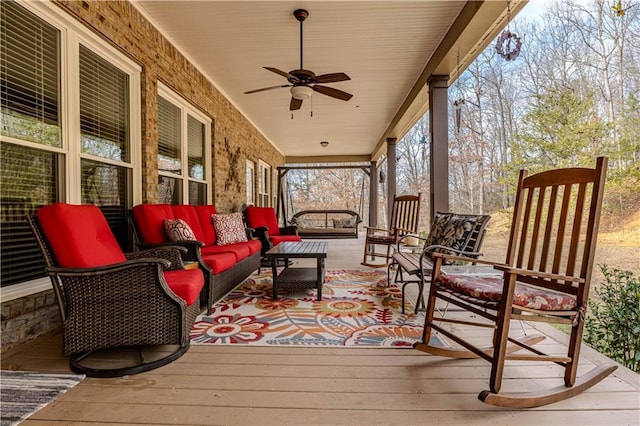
(213, 385)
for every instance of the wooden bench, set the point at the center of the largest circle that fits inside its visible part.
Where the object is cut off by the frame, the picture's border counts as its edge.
(327, 223)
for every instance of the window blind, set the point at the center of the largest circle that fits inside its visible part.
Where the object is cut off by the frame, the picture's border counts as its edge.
(104, 107)
(28, 180)
(195, 147)
(169, 154)
(29, 76)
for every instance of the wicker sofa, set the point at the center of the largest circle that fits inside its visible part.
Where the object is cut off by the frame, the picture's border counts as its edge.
(327, 223)
(224, 266)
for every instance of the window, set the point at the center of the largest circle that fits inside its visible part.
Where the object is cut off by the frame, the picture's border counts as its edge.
(68, 103)
(184, 138)
(251, 182)
(264, 184)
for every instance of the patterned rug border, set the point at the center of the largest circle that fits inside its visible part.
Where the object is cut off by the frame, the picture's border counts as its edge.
(357, 310)
(24, 393)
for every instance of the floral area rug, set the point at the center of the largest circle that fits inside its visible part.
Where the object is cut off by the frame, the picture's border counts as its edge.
(357, 309)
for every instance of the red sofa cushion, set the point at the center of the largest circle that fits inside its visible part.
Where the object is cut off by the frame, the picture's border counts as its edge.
(262, 216)
(150, 221)
(79, 236)
(239, 250)
(204, 215)
(186, 283)
(280, 238)
(220, 262)
(254, 246)
(189, 215)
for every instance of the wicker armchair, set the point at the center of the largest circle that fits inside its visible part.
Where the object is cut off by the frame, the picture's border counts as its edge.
(142, 300)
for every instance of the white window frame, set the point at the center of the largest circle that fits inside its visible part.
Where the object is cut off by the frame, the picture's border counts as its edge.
(72, 35)
(250, 180)
(264, 188)
(274, 187)
(187, 109)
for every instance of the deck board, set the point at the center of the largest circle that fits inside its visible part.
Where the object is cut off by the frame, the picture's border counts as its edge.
(266, 385)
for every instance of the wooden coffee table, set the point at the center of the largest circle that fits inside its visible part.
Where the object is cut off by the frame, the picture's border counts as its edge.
(298, 277)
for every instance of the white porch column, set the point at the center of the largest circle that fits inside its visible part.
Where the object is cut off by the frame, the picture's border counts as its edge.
(391, 176)
(439, 148)
(373, 194)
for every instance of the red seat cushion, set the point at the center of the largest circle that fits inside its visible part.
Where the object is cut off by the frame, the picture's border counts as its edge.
(258, 217)
(220, 262)
(490, 289)
(280, 238)
(204, 215)
(188, 214)
(254, 246)
(186, 283)
(239, 250)
(79, 236)
(150, 222)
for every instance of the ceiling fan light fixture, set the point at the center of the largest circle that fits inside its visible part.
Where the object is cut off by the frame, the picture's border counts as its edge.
(301, 92)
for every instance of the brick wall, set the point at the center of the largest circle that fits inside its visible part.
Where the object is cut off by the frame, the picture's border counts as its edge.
(28, 317)
(120, 23)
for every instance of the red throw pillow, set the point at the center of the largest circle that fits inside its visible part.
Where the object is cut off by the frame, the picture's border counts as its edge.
(229, 228)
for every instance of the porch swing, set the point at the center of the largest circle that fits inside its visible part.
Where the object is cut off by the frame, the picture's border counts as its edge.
(321, 223)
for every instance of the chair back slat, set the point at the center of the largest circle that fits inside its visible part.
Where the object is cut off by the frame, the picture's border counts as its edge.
(560, 242)
(544, 255)
(405, 212)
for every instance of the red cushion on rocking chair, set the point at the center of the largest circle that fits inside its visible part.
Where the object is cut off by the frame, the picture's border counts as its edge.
(490, 289)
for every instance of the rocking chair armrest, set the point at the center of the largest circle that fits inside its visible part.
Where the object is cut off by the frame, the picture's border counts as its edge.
(373, 228)
(538, 274)
(446, 256)
(115, 267)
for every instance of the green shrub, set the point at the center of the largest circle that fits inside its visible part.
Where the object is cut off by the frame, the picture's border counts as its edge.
(613, 322)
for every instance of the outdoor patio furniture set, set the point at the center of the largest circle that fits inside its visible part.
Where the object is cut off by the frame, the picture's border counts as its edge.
(109, 299)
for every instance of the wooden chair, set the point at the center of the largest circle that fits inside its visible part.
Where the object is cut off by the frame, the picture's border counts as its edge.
(452, 233)
(109, 299)
(545, 278)
(405, 213)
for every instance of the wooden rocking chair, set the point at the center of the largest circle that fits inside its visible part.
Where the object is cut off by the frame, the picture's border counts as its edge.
(545, 278)
(405, 213)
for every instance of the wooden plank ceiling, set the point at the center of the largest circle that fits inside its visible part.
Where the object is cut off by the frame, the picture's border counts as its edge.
(384, 46)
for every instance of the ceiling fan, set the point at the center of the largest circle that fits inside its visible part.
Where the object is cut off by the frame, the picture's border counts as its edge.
(304, 82)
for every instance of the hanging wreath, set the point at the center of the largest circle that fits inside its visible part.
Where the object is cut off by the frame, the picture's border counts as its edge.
(508, 45)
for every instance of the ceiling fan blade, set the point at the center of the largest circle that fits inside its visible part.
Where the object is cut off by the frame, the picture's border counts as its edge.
(282, 73)
(332, 78)
(267, 88)
(334, 93)
(295, 104)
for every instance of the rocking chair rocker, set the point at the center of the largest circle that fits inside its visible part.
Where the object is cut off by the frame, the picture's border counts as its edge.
(545, 278)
